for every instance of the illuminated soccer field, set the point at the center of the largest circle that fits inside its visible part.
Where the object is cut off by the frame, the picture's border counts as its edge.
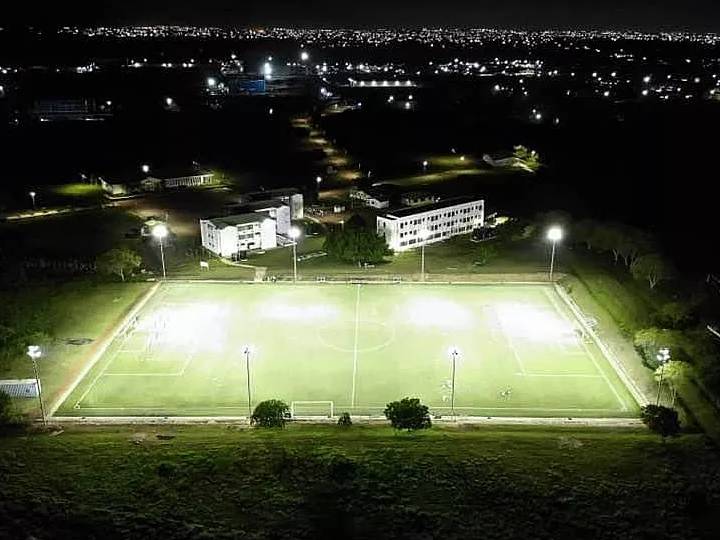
(357, 347)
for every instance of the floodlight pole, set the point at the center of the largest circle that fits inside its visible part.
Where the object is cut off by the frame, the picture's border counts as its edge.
(422, 262)
(247, 369)
(552, 259)
(37, 382)
(294, 260)
(454, 354)
(162, 257)
(662, 371)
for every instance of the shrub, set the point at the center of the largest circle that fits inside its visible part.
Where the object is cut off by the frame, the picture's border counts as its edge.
(272, 413)
(408, 413)
(9, 415)
(344, 420)
(662, 420)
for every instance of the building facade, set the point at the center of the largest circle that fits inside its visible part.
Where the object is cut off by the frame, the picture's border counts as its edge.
(232, 235)
(405, 228)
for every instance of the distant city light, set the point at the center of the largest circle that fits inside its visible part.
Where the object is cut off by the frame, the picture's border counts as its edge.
(304, 56)
(211, 82)
(146, 169)
(554, 234)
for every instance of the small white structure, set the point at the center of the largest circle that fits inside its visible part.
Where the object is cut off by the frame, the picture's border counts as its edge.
(290, 196)
(404, 229)
(501, 159)
(418, 198)
(374, 198)
(229, 236)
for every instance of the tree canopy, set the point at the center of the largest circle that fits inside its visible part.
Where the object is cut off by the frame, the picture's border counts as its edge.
(356, 245)
(118, 261)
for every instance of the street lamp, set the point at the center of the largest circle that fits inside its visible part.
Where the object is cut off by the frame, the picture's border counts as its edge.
(32, 196)
(294, 234)
(160, 231)
(424, 234)
(554, 234)
(663, 357)
(247, 349)
(318, 179)
(454, 353)
(425, 165)
(146, 169)
(34, 352)
(304, 56)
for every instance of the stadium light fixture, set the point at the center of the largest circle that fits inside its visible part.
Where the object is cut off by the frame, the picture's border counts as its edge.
(454, 352)
(247, 351)
(169, 101)
(304, 56)
(32, 196)
(318, 179)
(424, 234)
(160, 231)
(425, 165)
(662, 357)
(145, 168)
(211, 82)
(554, 234)
(34, 352)
(294, 233)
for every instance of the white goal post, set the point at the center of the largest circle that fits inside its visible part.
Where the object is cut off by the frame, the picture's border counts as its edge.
(299, 409)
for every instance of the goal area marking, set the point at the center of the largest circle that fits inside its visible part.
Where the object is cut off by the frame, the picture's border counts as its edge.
(312, 408)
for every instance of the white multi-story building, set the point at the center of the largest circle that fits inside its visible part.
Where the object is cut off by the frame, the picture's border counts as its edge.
(409, 228)
(228, 236)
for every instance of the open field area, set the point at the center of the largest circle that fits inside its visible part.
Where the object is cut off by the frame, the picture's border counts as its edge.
(315, 482)
(357, 347)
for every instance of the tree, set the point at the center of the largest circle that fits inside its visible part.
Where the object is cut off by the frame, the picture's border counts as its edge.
(530, 159)
(661, 420)
(651, 267)
(272, 413)
(118, 261)
(356, 246)
(356, 221)
(672, 374)
(408, 413)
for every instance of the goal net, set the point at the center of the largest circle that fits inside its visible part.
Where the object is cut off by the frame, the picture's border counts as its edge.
(312, 408)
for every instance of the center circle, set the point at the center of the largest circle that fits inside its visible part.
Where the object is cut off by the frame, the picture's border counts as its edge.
(371, 336)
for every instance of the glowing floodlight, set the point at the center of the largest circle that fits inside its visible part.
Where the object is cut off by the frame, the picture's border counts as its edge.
(160, 231)
(554, 234)
(294, 233)
(169, 101)
(211, 82)
(304, 56)
(146, 169)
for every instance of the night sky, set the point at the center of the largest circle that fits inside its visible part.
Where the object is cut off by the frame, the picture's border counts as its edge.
(700, 15)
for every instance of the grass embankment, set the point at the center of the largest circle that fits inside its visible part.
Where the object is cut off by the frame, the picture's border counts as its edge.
(74, 310)
(366, 482)
(619, 302)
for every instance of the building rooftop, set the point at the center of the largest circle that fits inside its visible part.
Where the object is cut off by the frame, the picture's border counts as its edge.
(237, 219)
(414, 210)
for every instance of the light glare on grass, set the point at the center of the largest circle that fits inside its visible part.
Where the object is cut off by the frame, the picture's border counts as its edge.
(299, 313)
(523, 321)
(439, 313)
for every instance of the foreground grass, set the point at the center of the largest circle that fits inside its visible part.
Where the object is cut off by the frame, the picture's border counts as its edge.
(365, 482)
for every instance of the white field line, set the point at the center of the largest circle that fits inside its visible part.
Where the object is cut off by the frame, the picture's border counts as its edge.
(617, 366)
(355, 346)
(519, 362)
(571, 375)
(101, 350)
(623, 405)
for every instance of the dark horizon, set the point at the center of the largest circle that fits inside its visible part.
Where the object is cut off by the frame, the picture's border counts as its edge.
(640, 15)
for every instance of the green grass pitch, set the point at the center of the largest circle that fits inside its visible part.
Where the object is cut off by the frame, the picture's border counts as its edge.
(358, 346)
